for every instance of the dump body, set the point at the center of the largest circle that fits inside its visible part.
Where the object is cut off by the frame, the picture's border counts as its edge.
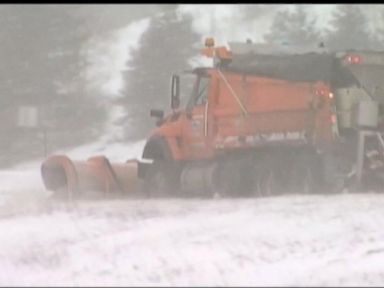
(274, 111)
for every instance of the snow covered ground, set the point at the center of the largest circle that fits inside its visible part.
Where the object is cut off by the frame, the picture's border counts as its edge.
(284, 241)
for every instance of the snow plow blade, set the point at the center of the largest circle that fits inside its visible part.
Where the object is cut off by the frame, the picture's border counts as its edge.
(96, 176)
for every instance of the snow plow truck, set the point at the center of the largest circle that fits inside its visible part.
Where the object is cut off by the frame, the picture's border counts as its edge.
(263, 120)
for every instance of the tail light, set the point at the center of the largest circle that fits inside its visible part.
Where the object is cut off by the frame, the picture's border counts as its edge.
(354, 59)
(323, 92)
(333, 119)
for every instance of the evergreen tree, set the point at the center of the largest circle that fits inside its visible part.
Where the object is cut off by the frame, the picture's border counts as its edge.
(350, 30)
(251, 12)
(378, 36)
(42, 43)
(41, 66)
(293, 28)
(165, 48)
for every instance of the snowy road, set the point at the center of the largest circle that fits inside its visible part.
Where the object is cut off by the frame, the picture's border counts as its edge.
(284, 241)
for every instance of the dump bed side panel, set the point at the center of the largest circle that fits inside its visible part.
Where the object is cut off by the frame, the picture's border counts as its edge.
(249, 110)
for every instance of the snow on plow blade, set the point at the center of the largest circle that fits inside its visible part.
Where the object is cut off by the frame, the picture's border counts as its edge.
(97, 175)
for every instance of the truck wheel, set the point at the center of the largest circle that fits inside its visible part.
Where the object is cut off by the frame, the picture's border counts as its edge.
(308, 181)
(235, 177)
(269, 183)
(268, 175)
(337, 173)
(310, 174)
(159, 180)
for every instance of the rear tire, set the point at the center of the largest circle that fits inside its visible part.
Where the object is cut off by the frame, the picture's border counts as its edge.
(269, 174)
(235, 177)
(268, 182)
(310, 173)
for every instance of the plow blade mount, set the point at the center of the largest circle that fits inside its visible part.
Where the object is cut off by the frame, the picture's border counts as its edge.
(96, 176)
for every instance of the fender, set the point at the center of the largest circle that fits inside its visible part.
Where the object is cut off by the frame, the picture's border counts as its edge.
(157, 148)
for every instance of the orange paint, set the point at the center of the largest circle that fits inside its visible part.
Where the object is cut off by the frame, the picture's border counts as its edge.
(244, 106)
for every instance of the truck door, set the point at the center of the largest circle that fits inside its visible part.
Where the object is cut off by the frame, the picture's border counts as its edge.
(196, 126)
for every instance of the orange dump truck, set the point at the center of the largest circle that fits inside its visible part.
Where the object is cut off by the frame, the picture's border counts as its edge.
(262, 120)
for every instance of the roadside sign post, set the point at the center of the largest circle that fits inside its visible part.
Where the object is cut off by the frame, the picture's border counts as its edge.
(28, 117)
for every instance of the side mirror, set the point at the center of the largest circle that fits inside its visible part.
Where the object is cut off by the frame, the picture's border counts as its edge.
(175, 92)
(157, 113)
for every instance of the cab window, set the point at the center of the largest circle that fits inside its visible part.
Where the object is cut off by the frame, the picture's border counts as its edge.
(200, 92)
(188, 82)
(202, 96)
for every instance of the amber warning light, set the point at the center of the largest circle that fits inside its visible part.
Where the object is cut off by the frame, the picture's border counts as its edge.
(209, 42)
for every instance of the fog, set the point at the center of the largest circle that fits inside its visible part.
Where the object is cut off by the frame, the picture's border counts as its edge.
(79, 81)
(103, 56)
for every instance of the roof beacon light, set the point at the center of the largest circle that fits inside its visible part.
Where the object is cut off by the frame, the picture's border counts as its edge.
(209, 42)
